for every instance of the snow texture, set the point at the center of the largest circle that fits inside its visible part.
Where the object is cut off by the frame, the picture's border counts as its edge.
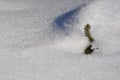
(44, 39)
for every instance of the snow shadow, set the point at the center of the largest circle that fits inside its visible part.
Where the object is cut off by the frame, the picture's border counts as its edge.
(62, 23)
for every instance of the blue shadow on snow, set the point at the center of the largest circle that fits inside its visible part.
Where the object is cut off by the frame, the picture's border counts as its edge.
(60, 23)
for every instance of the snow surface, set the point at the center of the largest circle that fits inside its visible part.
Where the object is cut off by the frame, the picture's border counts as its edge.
(44, 39)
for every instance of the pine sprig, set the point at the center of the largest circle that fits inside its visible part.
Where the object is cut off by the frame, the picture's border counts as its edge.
(87, 33)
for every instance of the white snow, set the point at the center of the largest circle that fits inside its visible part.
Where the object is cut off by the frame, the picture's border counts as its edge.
(30, 49)
(104, 19)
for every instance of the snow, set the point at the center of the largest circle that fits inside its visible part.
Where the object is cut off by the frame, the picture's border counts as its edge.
(105, 21)
(35, 46)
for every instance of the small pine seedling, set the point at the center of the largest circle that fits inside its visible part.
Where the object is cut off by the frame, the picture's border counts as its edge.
(88, 49)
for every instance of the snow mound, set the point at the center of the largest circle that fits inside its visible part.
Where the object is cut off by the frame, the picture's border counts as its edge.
(104, 18)
(32, 49)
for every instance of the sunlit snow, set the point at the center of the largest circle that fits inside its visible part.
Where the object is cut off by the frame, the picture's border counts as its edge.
(44, 39)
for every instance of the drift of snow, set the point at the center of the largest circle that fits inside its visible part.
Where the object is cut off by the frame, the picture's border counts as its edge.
(32, 49)
(104, 19)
